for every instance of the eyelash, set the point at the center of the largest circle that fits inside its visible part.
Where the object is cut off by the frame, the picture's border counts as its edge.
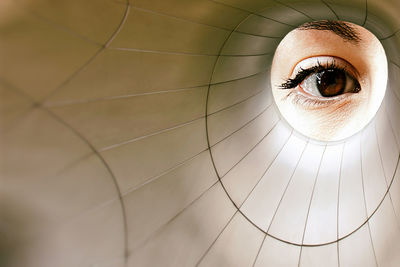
(304, 73)
(306, 101)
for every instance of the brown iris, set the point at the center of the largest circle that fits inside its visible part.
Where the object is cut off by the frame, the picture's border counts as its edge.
(331, 82)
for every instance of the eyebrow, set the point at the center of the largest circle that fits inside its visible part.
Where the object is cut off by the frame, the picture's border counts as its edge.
(341, 28)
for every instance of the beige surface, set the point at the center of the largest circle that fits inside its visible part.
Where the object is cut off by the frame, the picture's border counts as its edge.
(146, 135)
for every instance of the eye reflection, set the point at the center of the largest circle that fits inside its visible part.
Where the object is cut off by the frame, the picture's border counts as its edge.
(322, 78)
(328, 78)
(329, 83)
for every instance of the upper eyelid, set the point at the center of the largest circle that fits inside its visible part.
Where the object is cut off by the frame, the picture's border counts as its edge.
(333, 62)
(304, 73)
(337, 61)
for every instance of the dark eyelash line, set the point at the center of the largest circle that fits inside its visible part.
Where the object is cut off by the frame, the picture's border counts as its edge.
(303, 73)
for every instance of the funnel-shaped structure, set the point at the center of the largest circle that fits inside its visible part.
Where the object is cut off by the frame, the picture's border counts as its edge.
(144, 133)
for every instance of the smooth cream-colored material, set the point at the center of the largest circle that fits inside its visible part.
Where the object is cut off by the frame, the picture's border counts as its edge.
(144, 133)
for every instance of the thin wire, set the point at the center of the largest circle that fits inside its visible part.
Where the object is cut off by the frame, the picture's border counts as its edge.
(196, 22)
(241, 127)
(287, 186)
(253, 13)
(167, 91)
(265, 171)
(338, 203)
(391, 89)
(216, 238)
(239, 102)
(130, 49)
(259, 250)
(248, 152)
(161, 227)
(113, 177)
(389, 36)
(309, 204)
(287, 5)
(365, 201)
(366, 13)
(384, 175)
(331, 9)
(156, 177)
(91, 59)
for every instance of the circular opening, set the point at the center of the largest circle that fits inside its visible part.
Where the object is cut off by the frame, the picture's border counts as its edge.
(329, 78)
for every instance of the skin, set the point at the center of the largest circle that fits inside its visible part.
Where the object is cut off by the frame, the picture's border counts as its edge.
(336, 119)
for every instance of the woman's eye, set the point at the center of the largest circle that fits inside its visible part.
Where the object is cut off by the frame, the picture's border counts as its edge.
(329, 83)
(328, 78)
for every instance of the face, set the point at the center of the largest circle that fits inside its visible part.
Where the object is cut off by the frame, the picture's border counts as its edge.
(329, 78)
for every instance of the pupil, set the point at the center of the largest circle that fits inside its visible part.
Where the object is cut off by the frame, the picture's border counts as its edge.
(331, 82)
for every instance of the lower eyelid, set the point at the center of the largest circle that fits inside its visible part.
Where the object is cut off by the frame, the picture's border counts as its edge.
(312, 103)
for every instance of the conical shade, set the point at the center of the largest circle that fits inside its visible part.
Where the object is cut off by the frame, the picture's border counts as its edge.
(145, 133)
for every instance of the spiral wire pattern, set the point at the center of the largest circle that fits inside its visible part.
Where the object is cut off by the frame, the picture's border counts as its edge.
(144, 133)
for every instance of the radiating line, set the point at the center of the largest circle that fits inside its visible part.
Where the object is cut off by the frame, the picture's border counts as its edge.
(17, 119)
(82, 67)
(260, 35)
(91, 100)
(390, 86)
(338, 202)
(398, 148)
(384, 176)
(78, 134)
(341, 238)
(365, 201)
(207, 133)
(389, 36)
(366, 13)
(207, 101)
(32, 104)
(200, 23)
(309, 204)
(112, 176)
(244, 125)
(63, 28)
(368, 218)
(265, 171)
(118, 97)
(239, 102)
(184, 124)
(396, 137)
(206, 106)
(73, 164)
(163, 173)
(177, 53)
(312, 194)
(240, 78)
(334, 241)
(179, 126)
(89, 210)
(215, 240)
(120, 26)
(74, 74)
(287, 185)
(178, 18)
(287, 5)
(331, 9)
(247, 153)
(259, 250)
(161, 227)
(391, 125)
(253, 13)
(151, 134)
